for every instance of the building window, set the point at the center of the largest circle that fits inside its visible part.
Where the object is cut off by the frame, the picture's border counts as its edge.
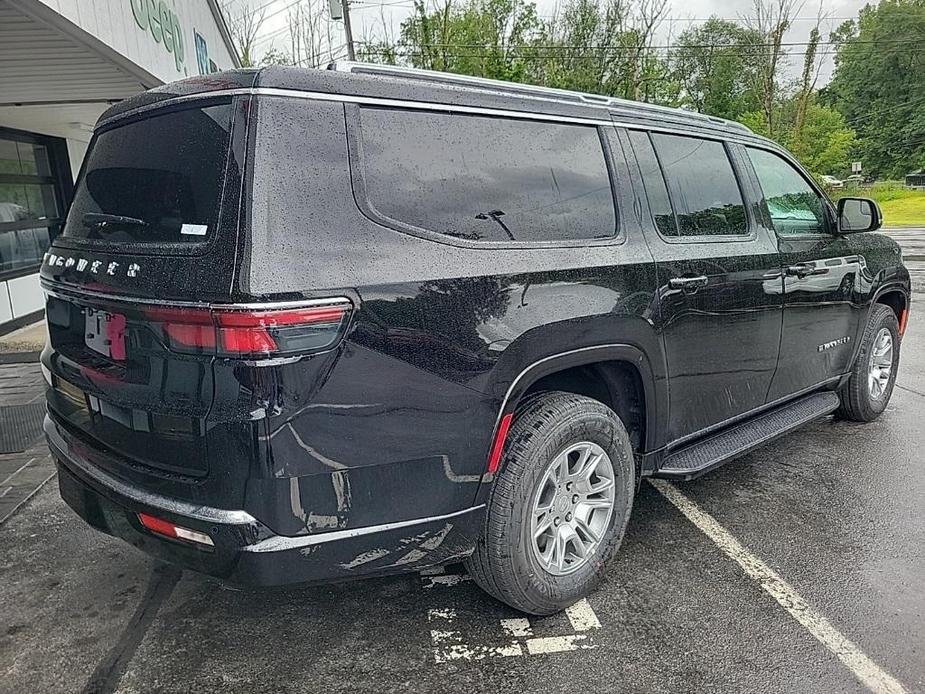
(32, 198)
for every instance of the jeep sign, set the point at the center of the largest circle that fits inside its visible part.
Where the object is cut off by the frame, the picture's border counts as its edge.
(155, 16)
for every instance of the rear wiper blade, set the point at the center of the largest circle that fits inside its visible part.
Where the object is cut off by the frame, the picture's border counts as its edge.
(99, 219)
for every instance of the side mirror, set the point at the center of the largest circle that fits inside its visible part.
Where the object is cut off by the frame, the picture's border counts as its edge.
(858, 214)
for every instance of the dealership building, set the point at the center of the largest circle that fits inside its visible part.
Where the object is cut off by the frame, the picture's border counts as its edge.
(62, 63)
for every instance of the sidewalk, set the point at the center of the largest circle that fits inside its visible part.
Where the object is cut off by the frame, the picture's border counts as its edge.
(25, 463)
(23, 345)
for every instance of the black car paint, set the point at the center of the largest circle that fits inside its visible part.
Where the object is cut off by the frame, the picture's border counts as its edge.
(396, 422)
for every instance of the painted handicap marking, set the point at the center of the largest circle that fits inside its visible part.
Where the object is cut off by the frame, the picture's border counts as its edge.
(517, 635)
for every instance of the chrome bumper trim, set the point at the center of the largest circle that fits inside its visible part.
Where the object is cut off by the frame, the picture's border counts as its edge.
(208, 514)
(279, 543)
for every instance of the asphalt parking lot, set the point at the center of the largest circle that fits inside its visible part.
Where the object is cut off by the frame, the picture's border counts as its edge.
(807, 575)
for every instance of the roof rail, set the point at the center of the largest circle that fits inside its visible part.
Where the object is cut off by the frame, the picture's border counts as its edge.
(517, 88)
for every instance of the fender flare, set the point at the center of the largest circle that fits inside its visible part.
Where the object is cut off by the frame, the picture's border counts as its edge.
(901, 287)
(583, 356)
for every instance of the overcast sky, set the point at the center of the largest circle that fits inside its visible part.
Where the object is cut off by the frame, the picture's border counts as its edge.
(368, 17)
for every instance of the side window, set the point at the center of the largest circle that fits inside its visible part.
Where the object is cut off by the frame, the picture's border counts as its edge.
(704, 191)
(656, 191)
(794, 207)
(487, 179)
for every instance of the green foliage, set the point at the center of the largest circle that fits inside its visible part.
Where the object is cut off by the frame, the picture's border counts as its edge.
(884, 191)
(484, 38)
(879, 85)
(712, 69)
(274, 56)
(824, 143)
(595, 46)
(873, 110)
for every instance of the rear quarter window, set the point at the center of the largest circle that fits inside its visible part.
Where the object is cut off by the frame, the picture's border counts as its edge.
(482, 178)
(157, 180)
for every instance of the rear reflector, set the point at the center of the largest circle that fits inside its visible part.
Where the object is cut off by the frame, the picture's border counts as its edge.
(495, 460)
(171, 530)
(903, 319)
(235, 332)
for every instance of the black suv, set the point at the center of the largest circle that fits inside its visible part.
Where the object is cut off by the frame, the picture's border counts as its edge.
(308, 325)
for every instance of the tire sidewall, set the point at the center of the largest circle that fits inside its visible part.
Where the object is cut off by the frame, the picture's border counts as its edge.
(599, 426)
(886, 319)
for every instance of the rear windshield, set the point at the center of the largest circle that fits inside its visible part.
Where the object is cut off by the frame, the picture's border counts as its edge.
(157, 180)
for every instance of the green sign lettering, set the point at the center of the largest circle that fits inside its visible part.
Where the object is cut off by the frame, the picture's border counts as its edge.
(154, 20)
(156, 17)
(141, 13)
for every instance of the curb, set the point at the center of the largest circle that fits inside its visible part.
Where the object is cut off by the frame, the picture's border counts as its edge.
(19, 357)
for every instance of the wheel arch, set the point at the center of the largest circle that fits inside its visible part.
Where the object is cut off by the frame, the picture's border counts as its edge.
(617, 357)
(618, 366)
(895, 297)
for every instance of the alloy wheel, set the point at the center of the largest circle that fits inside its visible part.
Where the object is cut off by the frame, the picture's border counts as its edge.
(572, 508)
(880, 365)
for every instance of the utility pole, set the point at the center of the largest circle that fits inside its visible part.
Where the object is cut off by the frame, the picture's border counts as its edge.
(351, 54)
(340, 9)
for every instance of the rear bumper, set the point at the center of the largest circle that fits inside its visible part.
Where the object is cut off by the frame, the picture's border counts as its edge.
(245, 551)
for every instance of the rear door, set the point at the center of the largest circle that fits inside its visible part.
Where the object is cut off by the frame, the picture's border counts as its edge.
(823, 276)
(719, 281)
(153, 222)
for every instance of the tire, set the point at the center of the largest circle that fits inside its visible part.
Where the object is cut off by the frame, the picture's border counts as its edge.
(862, 401)
(505, 563)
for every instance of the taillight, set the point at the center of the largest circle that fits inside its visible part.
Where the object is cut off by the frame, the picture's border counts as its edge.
(163, 527)
(236, 332)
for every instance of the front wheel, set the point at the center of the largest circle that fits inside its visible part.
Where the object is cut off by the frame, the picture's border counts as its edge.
(866, 394)
(560, 505)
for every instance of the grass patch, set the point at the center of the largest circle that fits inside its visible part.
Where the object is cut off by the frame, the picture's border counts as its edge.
(904, 212)
(900, 205)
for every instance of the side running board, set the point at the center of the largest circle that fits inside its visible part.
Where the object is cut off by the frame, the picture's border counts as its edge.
(711, 452)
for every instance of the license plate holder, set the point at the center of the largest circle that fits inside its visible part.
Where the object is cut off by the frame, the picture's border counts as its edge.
(104, 333)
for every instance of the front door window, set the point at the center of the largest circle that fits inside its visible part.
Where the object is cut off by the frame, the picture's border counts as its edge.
(795, 208)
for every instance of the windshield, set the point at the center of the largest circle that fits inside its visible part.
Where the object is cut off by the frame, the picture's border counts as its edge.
(157, 180)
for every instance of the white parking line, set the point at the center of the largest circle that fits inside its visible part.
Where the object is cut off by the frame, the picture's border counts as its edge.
(582, 616)
(518, 632)
(558, 644)
(866, 670)
(518, 627)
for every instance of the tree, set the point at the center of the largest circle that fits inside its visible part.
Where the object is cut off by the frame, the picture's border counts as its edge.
(485, 38)
(603, 48)
(244, 23)
(823, 144)
(713, 71)
(879, 85)
(310, 37)
(766, 52)
(274, 56)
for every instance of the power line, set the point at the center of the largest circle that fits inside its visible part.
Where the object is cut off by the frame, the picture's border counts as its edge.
(675, 46)
(394, 3)
(253, 12)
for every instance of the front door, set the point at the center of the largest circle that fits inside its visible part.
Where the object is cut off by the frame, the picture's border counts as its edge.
(823, 277)
(719, 277)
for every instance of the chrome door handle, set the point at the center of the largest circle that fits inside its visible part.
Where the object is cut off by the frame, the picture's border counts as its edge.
(805, 270)
(688, 283)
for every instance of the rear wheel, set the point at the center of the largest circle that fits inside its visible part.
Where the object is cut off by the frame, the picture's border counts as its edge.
(560, 505)
(870, 385)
